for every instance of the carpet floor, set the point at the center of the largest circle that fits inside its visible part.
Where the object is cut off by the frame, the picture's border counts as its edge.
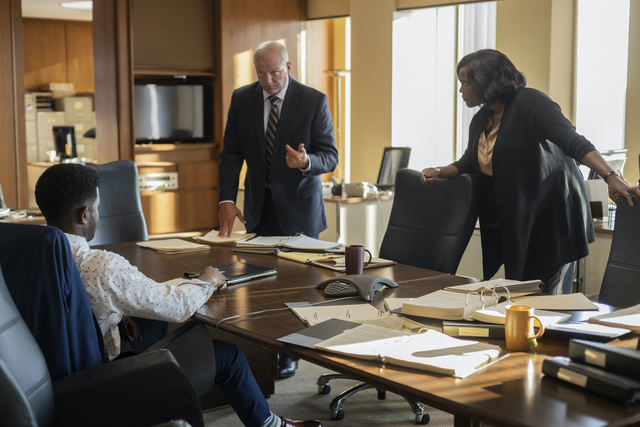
(297, 398)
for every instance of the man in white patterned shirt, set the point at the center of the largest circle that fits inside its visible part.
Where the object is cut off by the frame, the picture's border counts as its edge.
(68, 197)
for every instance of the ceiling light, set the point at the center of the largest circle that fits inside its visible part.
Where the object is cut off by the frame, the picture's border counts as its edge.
(87, 5)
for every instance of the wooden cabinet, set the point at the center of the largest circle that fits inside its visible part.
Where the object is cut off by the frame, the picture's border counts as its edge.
(194, 205)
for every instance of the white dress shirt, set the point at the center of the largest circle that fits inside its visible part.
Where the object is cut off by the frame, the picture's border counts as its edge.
(117, 288)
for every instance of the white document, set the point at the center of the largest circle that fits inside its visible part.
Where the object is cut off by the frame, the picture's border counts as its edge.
(395, 303)
(577, 301)
(212, 237)
(431, 351)
(628, 318)
(171, 245)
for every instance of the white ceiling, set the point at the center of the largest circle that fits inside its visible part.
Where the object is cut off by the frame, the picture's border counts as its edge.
(51, 9)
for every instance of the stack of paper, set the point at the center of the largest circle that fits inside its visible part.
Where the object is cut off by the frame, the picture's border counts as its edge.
(173, 246)
(625, 318)
(515, 287)
(212, 237)
(431, 351)
(331, 261)
(299, 242)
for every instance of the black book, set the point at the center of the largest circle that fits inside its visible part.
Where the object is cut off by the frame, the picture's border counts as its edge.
(237, 272)
(472, 330)
(619, 360)
(599, 381)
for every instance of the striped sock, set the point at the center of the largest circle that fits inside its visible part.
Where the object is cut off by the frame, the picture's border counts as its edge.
(273, 421)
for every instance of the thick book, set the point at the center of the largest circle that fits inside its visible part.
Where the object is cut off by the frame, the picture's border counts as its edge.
(446, 305)
(238, 272)
(473, 330)
(596, 380)
(430, 351)
(619, 360)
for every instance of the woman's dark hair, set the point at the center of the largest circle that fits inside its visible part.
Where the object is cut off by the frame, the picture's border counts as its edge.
(64, 188)
(492, 75)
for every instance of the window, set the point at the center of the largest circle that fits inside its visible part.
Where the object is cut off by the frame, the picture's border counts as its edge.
(427, 44)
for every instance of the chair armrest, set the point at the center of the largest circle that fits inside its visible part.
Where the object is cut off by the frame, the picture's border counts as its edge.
(191, 345)
(147, 389)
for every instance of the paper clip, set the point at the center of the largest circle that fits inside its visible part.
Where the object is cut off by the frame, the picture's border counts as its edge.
(348, 315)
(315, 315)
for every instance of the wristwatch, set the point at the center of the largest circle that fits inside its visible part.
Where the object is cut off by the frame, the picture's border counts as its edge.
(612, 172)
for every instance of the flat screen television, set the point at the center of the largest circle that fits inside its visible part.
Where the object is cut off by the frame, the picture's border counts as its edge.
(173, 110)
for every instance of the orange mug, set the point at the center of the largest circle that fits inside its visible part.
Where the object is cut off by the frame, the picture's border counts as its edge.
(518, 327)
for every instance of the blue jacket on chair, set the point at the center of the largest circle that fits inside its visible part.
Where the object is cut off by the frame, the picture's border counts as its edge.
(45, 285)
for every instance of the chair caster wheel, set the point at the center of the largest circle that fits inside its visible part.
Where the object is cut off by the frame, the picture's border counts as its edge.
(324, 389)
(424, 419)
(339, 415)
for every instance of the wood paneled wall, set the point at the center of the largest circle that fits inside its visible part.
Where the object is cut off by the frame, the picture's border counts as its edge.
(13, 156)
(58, 52)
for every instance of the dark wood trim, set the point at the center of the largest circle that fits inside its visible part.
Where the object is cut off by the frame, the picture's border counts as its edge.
(59, 21)
(113, 79)
(154, 70)
(13, 148)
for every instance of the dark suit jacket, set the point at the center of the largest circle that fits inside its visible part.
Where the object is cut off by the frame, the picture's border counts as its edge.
(539, 216)
(304, 118)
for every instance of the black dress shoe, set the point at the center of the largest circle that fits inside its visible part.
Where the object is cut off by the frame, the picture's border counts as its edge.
(286, 367)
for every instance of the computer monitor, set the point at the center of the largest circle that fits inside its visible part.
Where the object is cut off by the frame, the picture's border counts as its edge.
(65, 140)
(393, 159)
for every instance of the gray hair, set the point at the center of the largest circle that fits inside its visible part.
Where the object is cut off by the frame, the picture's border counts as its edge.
(265, 48)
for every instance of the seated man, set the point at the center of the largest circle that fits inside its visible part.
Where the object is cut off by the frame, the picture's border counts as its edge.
(67, 195)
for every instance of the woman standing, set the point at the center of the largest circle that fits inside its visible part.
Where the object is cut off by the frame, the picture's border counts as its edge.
(534, 213)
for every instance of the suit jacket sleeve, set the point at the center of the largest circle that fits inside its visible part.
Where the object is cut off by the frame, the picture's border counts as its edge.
(323, 153)
(231, 157)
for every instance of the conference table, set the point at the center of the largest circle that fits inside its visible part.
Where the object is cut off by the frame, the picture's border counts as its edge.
(509, 392)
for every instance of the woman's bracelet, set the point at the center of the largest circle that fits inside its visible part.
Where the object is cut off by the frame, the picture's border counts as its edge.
(613, 172)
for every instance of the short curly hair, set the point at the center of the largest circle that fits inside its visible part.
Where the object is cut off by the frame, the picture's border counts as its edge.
(64, 188)
(492, 75)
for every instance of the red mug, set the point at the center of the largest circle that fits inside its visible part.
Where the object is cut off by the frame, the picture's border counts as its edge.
(354, 258)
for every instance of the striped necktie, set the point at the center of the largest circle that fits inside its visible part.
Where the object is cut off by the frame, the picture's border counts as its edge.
(272, 126)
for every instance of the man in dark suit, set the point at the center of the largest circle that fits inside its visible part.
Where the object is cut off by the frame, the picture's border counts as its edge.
(287, 142)
(283, 129)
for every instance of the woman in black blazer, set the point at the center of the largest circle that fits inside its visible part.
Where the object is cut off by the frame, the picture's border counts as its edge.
(534, 213)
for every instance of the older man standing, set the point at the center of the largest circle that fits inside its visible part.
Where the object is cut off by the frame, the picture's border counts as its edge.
(283, 129)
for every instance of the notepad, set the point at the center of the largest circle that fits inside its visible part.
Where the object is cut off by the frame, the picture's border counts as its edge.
(312, 315)
(430, 351)
(212, 237)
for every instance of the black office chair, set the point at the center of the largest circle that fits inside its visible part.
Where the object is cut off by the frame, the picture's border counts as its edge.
(621, 282)
(121, 217)
(51, 362)
(393, 159)
(429, 227)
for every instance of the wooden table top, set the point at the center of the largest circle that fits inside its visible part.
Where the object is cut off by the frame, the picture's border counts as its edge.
(511, 392)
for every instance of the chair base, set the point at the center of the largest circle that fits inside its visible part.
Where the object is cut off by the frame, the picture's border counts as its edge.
(337, 413)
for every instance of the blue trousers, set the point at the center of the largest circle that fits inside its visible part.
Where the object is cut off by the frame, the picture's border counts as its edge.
(233, 374)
